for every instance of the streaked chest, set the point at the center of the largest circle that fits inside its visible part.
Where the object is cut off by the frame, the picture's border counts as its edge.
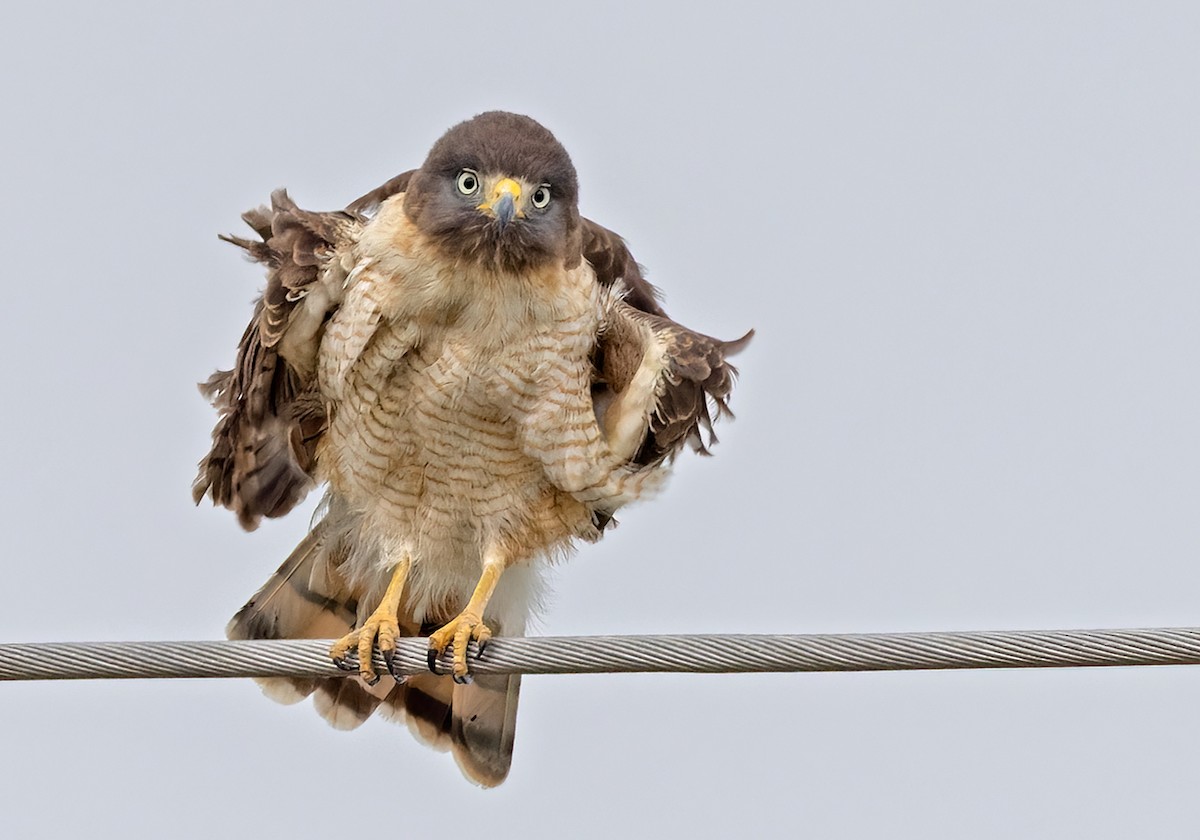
(429, 374)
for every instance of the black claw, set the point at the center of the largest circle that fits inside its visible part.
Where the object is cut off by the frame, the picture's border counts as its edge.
(432, 658)
(344, 665)
(372, 682)
(465, 679)
(389, 656)
(482, 647)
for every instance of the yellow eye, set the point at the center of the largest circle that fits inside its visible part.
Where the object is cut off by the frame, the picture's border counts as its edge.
(540, 197)
(468, 182)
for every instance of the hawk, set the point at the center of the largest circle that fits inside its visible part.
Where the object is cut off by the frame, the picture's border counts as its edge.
(481, 377)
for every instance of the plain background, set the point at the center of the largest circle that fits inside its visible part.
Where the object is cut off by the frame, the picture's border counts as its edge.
(966, 234)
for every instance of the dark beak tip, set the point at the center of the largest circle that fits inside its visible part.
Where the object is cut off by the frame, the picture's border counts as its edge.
(505, 210)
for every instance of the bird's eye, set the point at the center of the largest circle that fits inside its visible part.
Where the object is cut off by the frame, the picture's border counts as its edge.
(468, 182)
(540, 197)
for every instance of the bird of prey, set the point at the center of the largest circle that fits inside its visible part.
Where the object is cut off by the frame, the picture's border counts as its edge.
(481, 377)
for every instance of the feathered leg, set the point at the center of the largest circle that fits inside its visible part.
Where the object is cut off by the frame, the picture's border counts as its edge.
(382, 625)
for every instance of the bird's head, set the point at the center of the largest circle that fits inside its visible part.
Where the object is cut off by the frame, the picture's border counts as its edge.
(500, 191)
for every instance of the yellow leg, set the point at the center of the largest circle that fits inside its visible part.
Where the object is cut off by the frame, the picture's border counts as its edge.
(382, 625)
(469, 623)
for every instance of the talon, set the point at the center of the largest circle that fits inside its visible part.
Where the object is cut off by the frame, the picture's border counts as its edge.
(342, 647)
(467, 625)
(465, 679)
(459, 632)
(389, 657)
(380, 627)
(483, 635)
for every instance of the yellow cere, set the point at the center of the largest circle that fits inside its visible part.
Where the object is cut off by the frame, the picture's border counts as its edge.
(504, 186)
(507, 185)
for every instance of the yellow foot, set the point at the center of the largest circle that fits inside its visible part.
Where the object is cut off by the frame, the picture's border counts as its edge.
(380, 626)
(458, 632)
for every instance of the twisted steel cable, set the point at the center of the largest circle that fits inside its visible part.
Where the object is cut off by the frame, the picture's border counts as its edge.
(708, 654)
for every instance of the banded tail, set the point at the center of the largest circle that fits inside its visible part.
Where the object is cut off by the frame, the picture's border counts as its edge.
(307, 599)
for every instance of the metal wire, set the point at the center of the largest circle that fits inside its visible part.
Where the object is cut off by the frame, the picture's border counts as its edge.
(722, 654)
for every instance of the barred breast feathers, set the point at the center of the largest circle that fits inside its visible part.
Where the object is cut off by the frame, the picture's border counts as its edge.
(533, 335)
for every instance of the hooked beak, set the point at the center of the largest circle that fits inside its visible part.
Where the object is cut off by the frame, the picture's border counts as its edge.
(503, 203)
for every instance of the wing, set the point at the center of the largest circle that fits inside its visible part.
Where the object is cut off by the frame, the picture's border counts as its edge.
(657, 383)
(271, 416)
(686, 370)
(367, 204)
(614, 264)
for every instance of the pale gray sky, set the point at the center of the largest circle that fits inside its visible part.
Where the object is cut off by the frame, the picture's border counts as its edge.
(966, 234)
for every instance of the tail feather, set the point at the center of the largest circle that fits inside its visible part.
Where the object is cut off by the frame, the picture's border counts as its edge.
(347, 702)
(307, 599)
(424, 703)
(475, 722)
(482, 726)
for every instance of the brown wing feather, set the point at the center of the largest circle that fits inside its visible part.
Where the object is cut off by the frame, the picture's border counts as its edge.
(696, 381)
(613, 263)
(271, 416)
(367, 204)
(697, 373)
